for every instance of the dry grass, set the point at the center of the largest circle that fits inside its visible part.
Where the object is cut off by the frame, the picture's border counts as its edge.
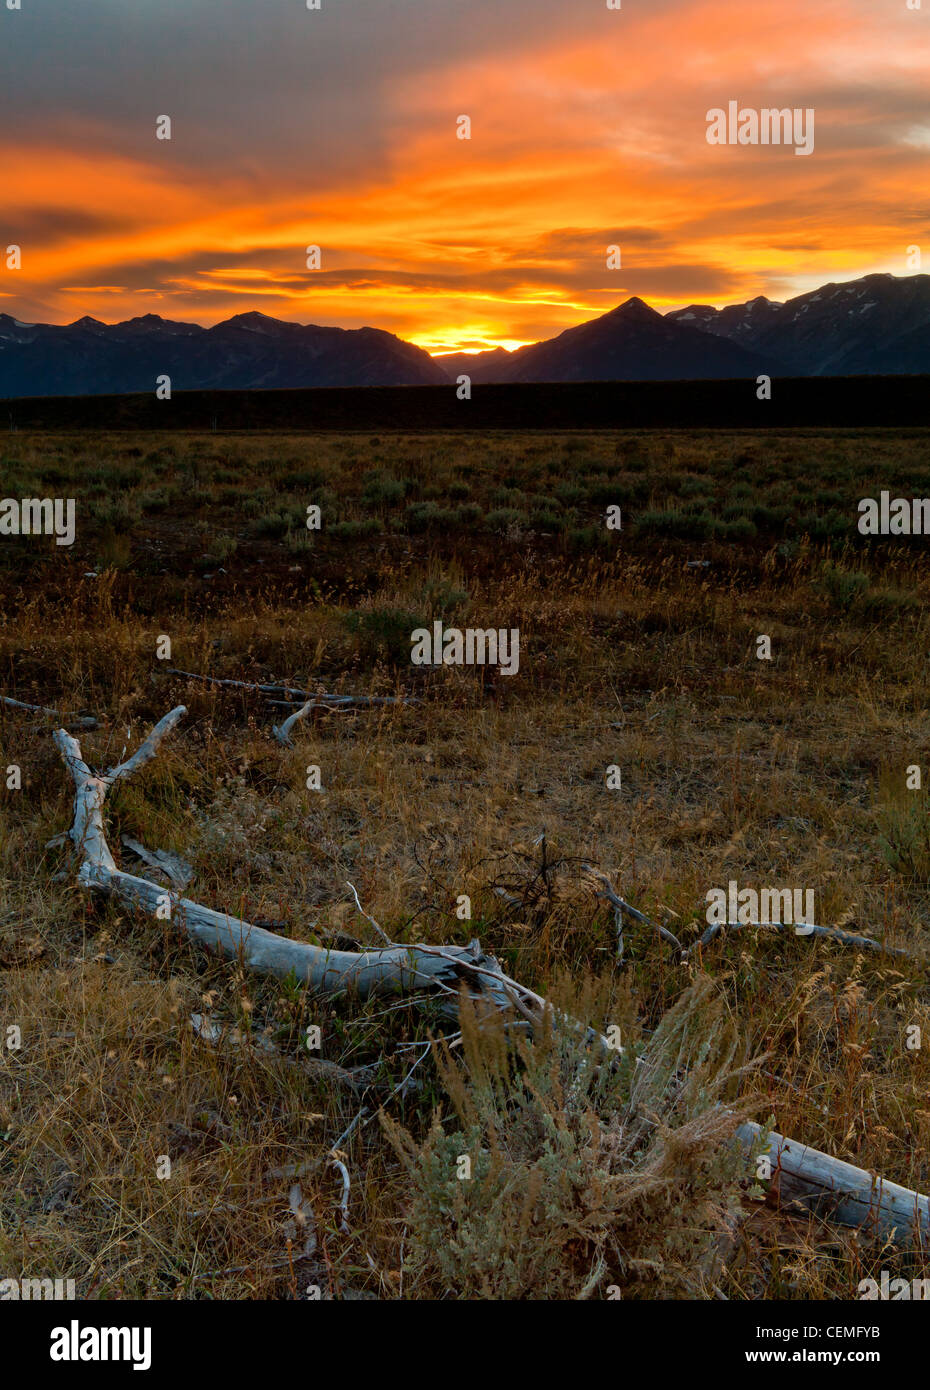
(789, 772)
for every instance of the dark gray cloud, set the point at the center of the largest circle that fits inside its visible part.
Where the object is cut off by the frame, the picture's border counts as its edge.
(51, 226)
(267, 98)
(260, 84)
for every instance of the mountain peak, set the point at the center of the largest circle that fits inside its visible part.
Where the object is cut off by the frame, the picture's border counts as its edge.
(636, 310)
(154, 323)
(143, 321)
(254, 321)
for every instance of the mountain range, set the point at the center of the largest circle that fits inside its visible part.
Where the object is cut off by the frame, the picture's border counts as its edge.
(877, 325)
(248, 352)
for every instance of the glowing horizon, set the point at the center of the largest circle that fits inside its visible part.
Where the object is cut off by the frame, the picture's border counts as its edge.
(296, 129)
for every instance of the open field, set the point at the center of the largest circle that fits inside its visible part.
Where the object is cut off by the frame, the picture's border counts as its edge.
(792, 771)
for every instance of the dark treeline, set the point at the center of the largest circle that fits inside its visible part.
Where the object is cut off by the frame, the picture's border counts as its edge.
(835, 402)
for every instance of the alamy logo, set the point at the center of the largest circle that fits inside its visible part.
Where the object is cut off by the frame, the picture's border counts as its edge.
(899, 516)
(769, 126)
(743, 907)
(76, 1343)
(36, 1290)
(473, 647)
(38, 516)
(887, 1288)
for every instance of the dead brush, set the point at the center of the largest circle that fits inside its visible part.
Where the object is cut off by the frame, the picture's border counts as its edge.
(557, 1174)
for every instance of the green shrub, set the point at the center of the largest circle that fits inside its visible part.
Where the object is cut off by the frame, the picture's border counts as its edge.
(117, 511)
(904, 837)
(695, 487)
(582, 1175)
(581, 538)
(826, 526)
(154, 499)
(508, 497)
(259, 502)
(504, 517)
(739, 529)
(428, 516)
(622, 491)
(382, 488)
(694, 526)
(548, 521)
(844, 588)
(770, 518)
(541, 502)
(275, 524)
(442, 596)
(222, 548)
(384, 633)
(888, 603)
(354, 530)
(308, 479)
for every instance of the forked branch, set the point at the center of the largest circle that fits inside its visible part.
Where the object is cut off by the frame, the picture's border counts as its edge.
(380, 970)
(826, 1186)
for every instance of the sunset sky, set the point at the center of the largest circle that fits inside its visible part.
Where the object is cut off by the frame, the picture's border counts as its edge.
(338, 127)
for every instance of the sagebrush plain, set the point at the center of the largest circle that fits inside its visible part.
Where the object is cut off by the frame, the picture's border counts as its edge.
(638, 651)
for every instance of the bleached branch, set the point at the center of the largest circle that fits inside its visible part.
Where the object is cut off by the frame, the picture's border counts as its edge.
(837, 1191)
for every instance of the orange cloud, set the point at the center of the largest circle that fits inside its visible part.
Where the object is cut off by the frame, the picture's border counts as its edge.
(576, 144)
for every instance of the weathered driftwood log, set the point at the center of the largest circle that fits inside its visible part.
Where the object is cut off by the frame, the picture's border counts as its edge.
(175, 869)
(390, 969)
(332, 704)
(75, 721)
(826, 1186)
(805, 929)
(620, 907)
(296, 696)
(282, 732)
(307, 702)
(240, 685)
(840, 1192)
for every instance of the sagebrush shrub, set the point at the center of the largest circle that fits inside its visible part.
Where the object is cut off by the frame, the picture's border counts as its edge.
(586, 1170)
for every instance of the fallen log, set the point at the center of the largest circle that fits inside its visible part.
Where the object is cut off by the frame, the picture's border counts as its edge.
(838, 1191)
(379, 970)
(620, 906)
(294, 696)
(825, 1186)
(282, 732)
(75, 721)
(240, 685)
(303, 699)
(175, 869)
(805, 929)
